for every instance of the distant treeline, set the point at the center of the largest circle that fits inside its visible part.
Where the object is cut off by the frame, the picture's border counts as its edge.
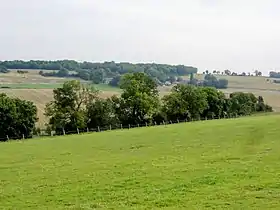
(79, 107)
(274, 74)
(100, 72)
(3, 69)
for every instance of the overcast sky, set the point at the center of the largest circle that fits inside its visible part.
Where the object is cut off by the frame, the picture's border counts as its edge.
(240, 35)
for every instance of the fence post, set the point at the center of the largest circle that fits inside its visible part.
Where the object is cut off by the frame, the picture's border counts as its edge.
(63, 131)
(78, 131)
(8, 138)
(23, 137)
(98, 128)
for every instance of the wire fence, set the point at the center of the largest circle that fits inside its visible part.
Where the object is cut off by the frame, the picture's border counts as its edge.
(47, 133)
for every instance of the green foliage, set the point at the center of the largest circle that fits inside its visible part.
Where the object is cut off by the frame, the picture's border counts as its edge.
(216, 101)
(227, 72)
(17, 117)
(139, 100)
(3, 69)
(22, 72)
(274, 74)
(172, 79)
(76, 106)
(191, 77)
(61, 73)
(185, 102)
(97, 72)
(101, 112)
(243, 103)
(67, 110)
(222, 84)
(98, 76)
(115, 82)
(211, 81)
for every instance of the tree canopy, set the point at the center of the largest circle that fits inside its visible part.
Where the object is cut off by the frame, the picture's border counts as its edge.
(17, 117)
(67, 110)
(274, 74)
(77, 106)
(140, 104)
(97, 72)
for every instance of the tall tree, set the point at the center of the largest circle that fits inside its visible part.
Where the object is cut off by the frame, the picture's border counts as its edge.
(243, 103)
(227, 72)
(139, 100)
(185, 101)
(17, 117)
(67, 110)
(101, 112)
(216, 100)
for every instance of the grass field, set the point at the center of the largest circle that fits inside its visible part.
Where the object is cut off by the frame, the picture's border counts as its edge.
(222, 164)
(100, 87)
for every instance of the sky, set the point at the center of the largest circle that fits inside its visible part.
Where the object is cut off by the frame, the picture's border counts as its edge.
(240, 35)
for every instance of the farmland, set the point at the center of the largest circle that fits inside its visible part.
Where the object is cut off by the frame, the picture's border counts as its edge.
(166, 167)
(38, 89)
(260, 86)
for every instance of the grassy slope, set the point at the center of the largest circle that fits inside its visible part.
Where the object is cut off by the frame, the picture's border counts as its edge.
(231, 164)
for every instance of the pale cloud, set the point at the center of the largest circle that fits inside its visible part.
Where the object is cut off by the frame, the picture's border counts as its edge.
(213, 34)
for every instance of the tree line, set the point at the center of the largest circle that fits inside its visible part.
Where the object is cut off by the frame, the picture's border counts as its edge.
(76, 105)
(274, 74)
(3, 69)
(100, 72)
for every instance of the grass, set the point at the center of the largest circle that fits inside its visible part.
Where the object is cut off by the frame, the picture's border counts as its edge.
(101, 87)
(223, 164)
(30, 86)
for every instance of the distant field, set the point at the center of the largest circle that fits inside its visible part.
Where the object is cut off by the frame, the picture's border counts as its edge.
(260, 86)
(101, 87)
(30, 86)
(38, 89)
(41, 97)
(222, 164)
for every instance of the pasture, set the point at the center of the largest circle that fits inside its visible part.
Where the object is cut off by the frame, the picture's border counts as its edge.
(221, 164)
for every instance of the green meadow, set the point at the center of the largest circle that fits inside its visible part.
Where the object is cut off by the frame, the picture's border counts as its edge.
(221, 164)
